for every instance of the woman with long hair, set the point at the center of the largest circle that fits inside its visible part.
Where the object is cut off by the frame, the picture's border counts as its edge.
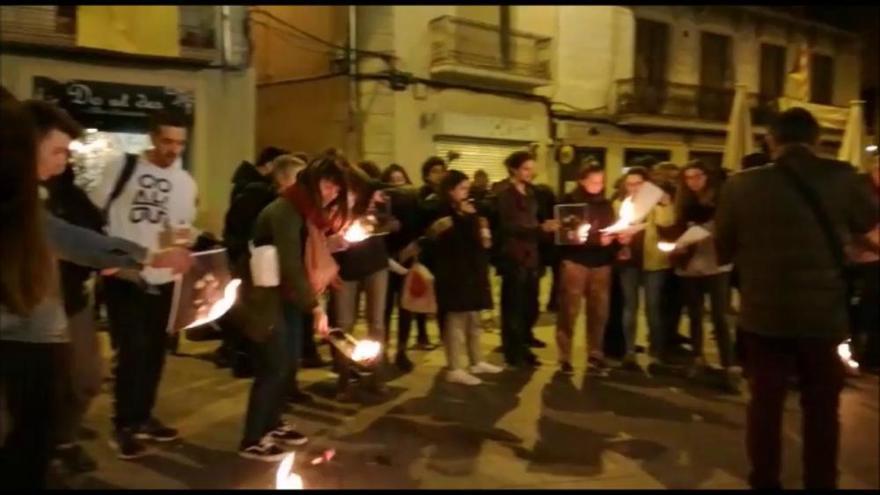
(462, 277)
(698, 267)
(311, 208)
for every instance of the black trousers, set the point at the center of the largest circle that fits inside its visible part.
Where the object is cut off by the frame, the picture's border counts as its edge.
(519, 311)
(404, 317)
(32, 378)
(140, 320)
(769, 362)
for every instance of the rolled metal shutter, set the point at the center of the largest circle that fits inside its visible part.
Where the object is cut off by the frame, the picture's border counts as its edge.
(475, 154)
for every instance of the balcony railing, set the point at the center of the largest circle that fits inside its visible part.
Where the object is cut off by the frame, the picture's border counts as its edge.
(687, 101)
(55, 26)
(466, 45)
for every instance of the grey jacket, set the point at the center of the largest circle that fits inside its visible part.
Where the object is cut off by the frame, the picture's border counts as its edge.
(47, 323)
(790, 283)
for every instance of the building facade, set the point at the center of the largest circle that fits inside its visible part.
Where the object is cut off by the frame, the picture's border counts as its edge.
(114, 91)
(473, 83)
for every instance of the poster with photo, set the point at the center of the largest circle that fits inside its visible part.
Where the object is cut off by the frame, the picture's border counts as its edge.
(573, 224)
(203, 294)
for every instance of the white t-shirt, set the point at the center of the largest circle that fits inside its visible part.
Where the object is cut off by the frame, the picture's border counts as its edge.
(152, 197)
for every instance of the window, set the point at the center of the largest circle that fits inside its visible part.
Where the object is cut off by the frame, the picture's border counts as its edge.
(772, 70)
(645, 157)
(821, 79)
(715, 94)
(652, 46)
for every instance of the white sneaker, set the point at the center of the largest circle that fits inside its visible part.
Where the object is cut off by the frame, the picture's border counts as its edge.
(484, 367)
(462, 377)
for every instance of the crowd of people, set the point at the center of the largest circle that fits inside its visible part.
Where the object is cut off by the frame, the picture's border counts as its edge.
(795, 282)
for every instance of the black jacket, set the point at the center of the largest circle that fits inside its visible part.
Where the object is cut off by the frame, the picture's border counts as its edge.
(70, 203)
(244, 175)
(600, 214)
(244, 208)
(461, 274)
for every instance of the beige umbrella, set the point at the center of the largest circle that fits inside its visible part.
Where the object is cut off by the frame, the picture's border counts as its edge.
(740, 138)
(852, 148)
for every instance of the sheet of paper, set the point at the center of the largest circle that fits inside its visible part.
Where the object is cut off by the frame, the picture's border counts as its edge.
(692, 235)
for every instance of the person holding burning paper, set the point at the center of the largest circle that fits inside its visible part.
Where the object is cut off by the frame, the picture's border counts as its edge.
(585, 271)
(305, 211)
(642, 263)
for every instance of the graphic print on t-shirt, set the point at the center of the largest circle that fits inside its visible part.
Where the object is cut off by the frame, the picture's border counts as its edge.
(151, 200)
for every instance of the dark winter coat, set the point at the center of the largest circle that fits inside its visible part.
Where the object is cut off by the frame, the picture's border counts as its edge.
(600, 214)
(461, 274)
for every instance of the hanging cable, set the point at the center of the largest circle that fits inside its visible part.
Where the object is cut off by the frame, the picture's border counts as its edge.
(291, 36)
(306, 79)
(384, 56)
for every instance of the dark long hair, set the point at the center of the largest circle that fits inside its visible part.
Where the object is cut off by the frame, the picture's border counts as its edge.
(696, 207)
(331, 168)
(26, 267)
(450, 181)
(390, 169)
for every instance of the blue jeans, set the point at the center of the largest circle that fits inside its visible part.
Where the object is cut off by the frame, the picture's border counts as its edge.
(274, 362)
(630, 279)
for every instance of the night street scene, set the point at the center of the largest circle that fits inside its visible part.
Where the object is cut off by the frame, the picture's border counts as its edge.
(290, 247)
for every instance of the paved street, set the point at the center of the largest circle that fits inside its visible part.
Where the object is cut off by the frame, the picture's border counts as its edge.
(519, 429)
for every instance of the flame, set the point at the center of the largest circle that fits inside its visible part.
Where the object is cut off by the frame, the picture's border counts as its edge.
(625, 216)
(365, 350)
(845, 353)
(219, 308)
(285, 479)
(583, 232)
(356, 232)
(666, 247)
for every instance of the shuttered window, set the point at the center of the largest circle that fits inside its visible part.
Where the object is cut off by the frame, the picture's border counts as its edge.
(474, 155)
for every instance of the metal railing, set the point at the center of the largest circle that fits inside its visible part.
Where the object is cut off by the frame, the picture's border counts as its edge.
(662, 98)
(479, 45)
(51, 25)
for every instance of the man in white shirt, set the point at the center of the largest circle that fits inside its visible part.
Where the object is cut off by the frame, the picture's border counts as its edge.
(144, 197)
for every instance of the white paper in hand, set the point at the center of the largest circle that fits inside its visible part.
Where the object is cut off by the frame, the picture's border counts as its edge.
(265, 271)
(635, 208)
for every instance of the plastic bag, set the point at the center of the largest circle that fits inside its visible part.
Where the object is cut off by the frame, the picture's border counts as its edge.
(418, 291)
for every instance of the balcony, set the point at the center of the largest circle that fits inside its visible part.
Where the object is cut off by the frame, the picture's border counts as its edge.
(468, 51)
(55, 27)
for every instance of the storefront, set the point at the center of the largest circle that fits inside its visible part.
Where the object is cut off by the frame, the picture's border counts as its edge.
(117, 100)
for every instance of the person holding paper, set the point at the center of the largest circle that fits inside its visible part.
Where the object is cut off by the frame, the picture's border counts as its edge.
(642, 263)
(701, 274)
(520, 260)
(149, 199)
(314, 205)
(585, 271)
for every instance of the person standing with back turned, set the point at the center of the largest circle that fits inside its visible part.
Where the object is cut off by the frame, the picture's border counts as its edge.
(794, 309)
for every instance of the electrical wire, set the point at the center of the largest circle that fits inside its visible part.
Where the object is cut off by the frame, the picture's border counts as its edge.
(384, 56)
(298, 80)
(291, 36)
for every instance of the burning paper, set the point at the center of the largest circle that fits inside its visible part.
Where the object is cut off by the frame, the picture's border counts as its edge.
(356, 232)
(636, 207)
(690, 236)
(360, 352)
(285, 478)
(203, 294)
(327, 456)
(573, 226)
(844, 351)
